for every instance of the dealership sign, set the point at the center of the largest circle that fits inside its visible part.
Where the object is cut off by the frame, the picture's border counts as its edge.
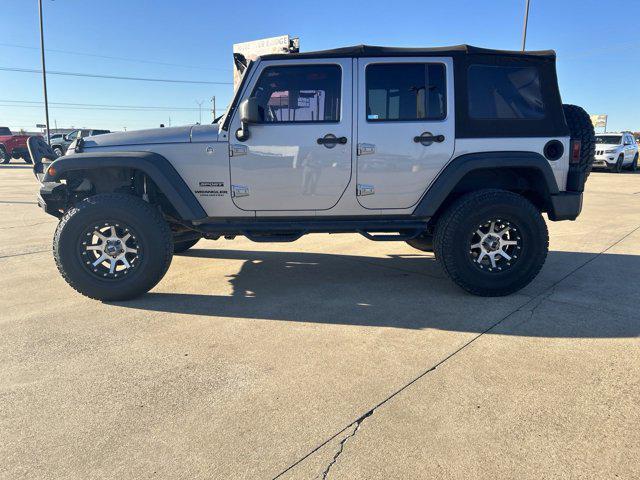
(247, 51)
(599, 120)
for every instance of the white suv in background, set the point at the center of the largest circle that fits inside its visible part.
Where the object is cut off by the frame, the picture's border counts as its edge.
(616, 151)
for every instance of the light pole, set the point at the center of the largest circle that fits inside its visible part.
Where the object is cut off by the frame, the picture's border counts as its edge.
(524, 28)
(44, 73)
(200, 110)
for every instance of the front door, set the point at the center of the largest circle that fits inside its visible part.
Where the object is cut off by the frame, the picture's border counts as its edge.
(406, 131)
(299, 156)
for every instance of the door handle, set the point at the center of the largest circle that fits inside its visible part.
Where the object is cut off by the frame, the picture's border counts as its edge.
(331, 140)
(427, 139)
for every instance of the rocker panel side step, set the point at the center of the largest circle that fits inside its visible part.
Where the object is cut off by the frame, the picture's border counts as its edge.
(291, 230)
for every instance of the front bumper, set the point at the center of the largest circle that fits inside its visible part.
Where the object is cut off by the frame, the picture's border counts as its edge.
(606, 160)
(565, 206)
(53, 198)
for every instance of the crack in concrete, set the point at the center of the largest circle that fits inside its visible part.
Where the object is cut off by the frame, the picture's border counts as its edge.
(358, 422)
(26, 253)
(541, 297)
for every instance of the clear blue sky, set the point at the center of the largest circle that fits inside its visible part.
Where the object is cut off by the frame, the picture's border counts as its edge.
(597, 44)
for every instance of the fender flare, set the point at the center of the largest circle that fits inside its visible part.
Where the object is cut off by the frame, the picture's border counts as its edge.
(450, 176)
(157, 167)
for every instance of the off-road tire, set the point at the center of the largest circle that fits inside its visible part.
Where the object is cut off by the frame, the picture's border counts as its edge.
(581, 128)
(461, 219)
(423, 243)
(4, 156)
(153, 236)
(184, 245)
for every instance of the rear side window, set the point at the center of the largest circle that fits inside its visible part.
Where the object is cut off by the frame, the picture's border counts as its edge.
(406, 92)
(299, 93)
(5, 131)
(497, 92)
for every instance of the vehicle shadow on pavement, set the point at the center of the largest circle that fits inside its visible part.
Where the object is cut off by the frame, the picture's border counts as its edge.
(16, 166)
(407, 291)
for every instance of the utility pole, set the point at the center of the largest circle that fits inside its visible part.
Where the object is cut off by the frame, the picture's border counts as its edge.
(44, 73)
(200, 110)
(524, 28)
(213, 107)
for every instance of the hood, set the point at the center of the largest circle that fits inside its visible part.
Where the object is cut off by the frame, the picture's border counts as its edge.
(141, 137)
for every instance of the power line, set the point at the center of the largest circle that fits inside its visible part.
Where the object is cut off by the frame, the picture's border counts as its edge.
(150, 107)
(96, 106)
(152, 62)
(111, 77)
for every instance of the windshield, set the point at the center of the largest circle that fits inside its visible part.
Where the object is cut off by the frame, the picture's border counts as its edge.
(609, 139)
(232, 105)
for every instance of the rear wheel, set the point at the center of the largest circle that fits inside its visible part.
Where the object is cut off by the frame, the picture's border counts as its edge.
(4, 156)
(491, 242)
(113, 247)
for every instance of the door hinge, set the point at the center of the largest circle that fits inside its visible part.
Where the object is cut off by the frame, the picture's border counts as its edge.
(239, 191)
(366, 149)
(236, 150)
(363, 190)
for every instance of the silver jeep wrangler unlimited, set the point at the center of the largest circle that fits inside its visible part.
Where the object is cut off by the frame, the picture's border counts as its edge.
(455, 150)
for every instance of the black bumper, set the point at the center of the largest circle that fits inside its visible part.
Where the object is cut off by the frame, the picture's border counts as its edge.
(52, 198)
(565, 206)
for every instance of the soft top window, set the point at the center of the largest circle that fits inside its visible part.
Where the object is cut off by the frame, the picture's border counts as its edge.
(501, 92)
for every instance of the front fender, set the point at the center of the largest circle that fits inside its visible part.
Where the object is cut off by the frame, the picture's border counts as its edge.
(158, 168)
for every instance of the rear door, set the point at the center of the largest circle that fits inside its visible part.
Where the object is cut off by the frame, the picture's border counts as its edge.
(406, 131)
(298, 157)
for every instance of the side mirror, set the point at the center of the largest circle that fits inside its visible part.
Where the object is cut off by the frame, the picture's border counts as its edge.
(248, 114)
(66, 139)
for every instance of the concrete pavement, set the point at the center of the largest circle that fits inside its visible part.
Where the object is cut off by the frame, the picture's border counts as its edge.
(332, 356)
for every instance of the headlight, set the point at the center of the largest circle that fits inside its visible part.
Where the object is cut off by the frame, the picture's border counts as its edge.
(611, 150)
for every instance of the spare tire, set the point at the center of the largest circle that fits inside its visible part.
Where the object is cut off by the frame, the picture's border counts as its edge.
(581, 129)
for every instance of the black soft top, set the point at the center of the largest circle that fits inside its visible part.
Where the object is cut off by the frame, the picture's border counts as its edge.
(375, 51)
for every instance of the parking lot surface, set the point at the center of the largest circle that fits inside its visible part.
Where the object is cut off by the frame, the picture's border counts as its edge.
(331, 357)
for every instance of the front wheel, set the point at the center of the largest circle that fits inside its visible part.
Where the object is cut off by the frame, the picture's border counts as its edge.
(4, 156)
(634, 165)
(113, 247)
(491, 242)
(617, 168)
(58, 151)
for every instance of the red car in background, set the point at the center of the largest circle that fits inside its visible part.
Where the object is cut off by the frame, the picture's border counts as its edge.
(13, 146)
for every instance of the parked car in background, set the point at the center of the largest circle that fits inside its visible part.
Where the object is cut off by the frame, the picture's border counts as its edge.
(61, 145)
(616, 151)
(13, 146)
